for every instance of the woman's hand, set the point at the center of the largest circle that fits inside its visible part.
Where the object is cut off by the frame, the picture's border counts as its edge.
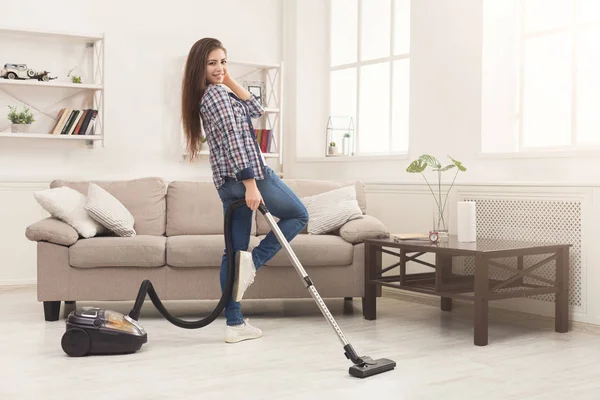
(228, 80)
(235, 87)
(253, 196)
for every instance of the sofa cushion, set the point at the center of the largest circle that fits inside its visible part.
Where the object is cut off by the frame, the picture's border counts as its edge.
(198, 250)
(195, 208)
(315, 250)
(367, 227)
(328, 211)
(112, 251)
(144, 198)
(309, 187)
(52, 230)
(68, 205)
(108, 211)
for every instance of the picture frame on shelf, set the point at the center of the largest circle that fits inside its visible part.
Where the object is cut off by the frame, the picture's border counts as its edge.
(258, 89)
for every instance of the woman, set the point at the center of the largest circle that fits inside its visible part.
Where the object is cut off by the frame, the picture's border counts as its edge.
(239, 169)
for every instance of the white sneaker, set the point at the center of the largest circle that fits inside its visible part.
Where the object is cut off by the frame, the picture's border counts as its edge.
(245, 331)
(244, 272)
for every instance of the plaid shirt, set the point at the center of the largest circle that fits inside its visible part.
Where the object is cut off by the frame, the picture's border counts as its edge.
(234, 150)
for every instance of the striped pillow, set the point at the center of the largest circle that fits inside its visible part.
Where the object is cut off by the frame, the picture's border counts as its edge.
(109, 212)
(330, 210)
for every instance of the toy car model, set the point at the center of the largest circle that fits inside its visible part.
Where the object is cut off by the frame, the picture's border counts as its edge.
(20, 71)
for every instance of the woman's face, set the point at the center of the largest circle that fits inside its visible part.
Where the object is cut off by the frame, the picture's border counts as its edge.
(216, 67)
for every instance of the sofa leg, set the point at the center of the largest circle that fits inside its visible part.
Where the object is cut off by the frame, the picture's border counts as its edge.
(51, 310)
(69, 307)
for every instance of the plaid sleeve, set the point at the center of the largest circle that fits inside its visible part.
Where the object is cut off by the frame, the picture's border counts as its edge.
(218, 106)
(256, 109)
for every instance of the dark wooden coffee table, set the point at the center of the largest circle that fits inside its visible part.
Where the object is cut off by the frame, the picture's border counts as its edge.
(477, 287)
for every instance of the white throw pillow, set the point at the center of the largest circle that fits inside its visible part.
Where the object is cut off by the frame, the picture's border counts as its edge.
(108, 211)
(330, 210)
(68, 205)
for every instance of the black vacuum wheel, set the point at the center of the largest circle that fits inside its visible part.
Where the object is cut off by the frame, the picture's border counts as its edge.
(76, 342)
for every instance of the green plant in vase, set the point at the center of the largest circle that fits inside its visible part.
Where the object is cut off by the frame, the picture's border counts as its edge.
(21, 121)
(418, 166)
(74, 78)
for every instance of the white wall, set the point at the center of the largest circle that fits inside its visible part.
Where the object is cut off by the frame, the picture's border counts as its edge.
(142, 64)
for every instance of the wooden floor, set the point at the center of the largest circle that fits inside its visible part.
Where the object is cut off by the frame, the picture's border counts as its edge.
(300, 356)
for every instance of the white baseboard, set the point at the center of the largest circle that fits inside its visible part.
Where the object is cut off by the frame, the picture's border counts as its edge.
(18, 282)
(538, 310)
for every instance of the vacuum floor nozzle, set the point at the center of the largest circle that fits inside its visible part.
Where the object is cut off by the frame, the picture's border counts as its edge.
(372, 367)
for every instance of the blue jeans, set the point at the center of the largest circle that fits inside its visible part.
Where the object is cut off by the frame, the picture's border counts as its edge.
(281, 203)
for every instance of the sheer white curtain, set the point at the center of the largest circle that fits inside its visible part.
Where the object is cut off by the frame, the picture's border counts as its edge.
(541, 75)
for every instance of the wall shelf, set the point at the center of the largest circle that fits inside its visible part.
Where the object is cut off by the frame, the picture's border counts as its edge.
(46, 99)
(33, 33)
(50, 136)
(33, 82)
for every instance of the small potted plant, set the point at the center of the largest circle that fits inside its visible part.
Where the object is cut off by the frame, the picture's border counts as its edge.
(332, 148)
(21, 121)
(74, 78)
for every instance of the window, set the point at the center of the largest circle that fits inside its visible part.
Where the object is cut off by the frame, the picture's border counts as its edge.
(541, 86)
(370, 70)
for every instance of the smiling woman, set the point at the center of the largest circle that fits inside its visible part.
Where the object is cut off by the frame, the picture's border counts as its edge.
(239, 169)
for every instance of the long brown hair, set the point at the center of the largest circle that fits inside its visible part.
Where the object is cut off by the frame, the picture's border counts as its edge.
(193, 87)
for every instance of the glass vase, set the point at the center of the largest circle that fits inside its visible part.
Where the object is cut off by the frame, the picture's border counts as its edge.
(441, 219)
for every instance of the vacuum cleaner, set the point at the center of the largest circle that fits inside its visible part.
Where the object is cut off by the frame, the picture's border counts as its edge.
(98, 331)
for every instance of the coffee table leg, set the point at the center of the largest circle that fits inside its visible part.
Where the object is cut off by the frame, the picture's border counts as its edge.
(480, 323)
(561, 302)
(443, 270)
(370, 299)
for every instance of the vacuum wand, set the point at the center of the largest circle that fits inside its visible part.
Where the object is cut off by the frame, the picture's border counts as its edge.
(363, 366)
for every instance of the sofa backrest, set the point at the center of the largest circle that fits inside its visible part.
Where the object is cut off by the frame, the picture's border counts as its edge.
(311, 187)
(143, 197)
(195, 208)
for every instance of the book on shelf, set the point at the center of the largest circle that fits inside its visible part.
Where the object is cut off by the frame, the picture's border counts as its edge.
(74, 122)
(264, 137)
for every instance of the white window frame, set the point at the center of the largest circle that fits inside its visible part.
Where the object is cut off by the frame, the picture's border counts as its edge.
(573, 28)
(358, 64)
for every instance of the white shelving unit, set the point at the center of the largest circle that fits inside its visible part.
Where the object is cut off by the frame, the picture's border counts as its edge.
(37, 48)
(272, 77)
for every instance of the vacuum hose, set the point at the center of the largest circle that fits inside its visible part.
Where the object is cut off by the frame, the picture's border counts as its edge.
(147, 288)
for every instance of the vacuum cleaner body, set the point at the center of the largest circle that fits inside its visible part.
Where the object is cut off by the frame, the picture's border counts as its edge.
(93, 330)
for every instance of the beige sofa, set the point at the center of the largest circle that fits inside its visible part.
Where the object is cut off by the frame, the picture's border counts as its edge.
(179, 245)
